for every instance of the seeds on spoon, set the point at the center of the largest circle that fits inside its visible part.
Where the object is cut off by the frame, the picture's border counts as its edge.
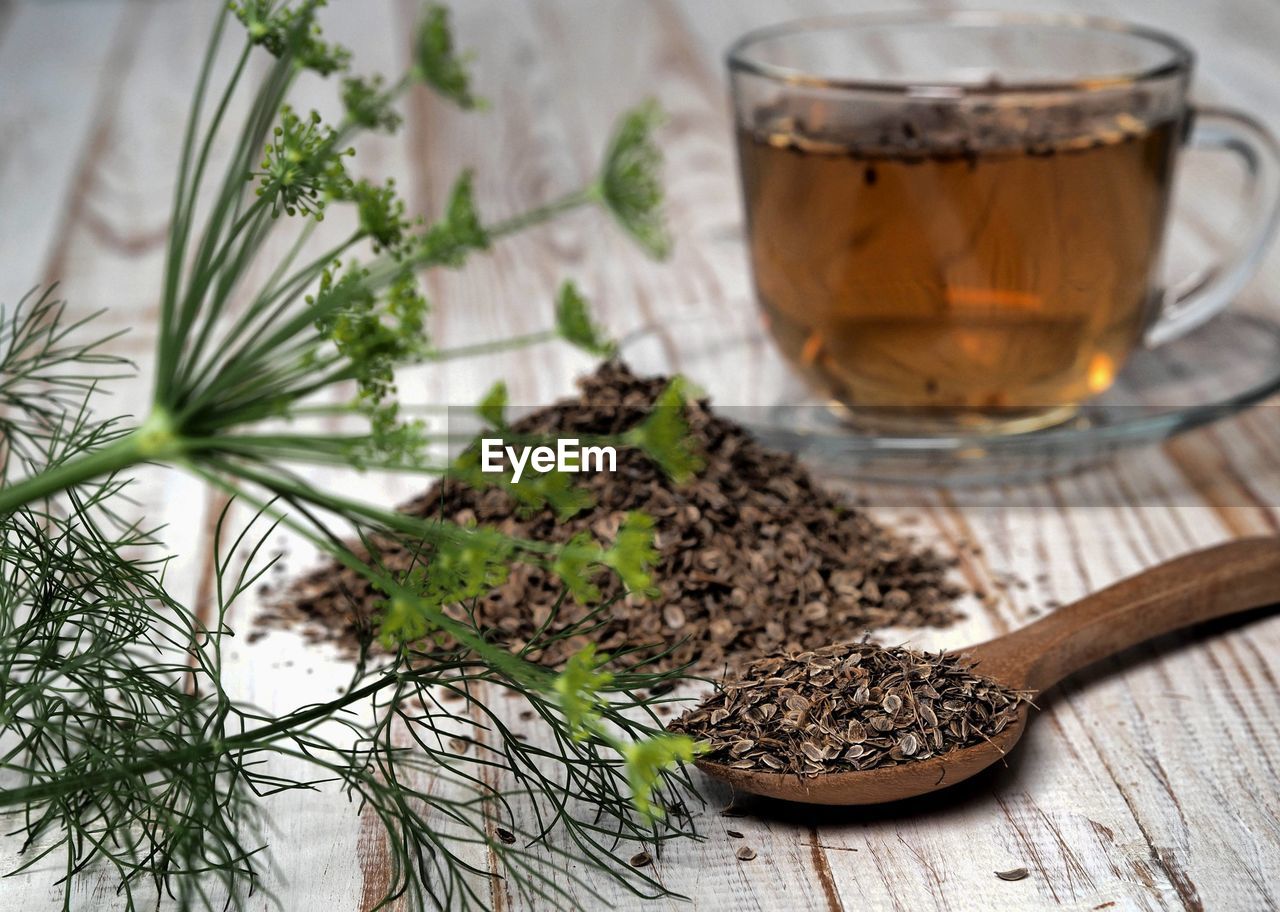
(851, 707)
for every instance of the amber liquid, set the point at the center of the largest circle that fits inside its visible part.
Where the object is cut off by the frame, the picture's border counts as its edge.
(957, 288)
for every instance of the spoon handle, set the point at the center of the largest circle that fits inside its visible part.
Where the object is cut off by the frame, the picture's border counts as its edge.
(1226, 579)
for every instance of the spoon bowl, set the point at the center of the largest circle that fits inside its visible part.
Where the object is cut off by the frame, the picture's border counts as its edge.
(1238, 576)
(880, 784)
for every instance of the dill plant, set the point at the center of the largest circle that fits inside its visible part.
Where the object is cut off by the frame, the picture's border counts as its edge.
(120, 745)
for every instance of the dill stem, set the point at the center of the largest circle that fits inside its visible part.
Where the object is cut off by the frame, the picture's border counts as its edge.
(588, 194)
(382, 272)
(113, 457)
(491, 347)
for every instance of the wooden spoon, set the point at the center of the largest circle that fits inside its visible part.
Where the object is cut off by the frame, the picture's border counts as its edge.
(1201, 586)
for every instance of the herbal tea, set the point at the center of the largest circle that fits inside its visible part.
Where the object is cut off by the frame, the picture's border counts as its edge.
(968, 267)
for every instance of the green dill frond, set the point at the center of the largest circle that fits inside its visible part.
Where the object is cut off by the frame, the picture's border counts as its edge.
(369, 104)
(633, 553)
(631, 182)
(266, 23)
(407, 309)
(664, 434)
(462, 570)
(576, 566)
(556, 490)
(579, 688)
(325, 58)
(535, 490)
(573, 322)
(98, 657)
(436, 63)
(47, 375)
(401, 621)
(647, 762)
(187, 764)
(372, 334)
(449, 241)
(291, 30)
(381, 214)
(493, 407)
(391, 440)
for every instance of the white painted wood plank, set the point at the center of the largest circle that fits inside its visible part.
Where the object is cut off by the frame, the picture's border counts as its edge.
(53, 61)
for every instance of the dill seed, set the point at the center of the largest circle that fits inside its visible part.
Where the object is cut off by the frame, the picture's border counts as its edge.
(641, 859)
(1012, 874)
(754, 556)
(733, 834)
(505, 836)
(852, 707)
(746, 853)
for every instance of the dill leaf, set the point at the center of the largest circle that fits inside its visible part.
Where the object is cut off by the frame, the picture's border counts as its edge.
(630, 182)
(573, 322)
(438, 64)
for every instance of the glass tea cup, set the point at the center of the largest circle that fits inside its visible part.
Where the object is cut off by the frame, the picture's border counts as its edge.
(955, 220)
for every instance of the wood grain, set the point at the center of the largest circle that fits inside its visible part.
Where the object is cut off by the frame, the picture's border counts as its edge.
(1150, 782)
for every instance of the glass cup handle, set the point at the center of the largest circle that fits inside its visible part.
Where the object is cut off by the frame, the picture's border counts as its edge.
(1203, 295)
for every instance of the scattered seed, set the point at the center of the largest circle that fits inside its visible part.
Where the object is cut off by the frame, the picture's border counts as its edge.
(506, 836)
(734, 834)
(1012, 874)
(746, 853)
(640, 859)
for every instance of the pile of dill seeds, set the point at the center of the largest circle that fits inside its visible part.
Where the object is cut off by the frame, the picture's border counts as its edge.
(851, 707)
(755, 557)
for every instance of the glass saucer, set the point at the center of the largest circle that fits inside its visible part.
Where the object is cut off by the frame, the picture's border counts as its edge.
(1226, 366)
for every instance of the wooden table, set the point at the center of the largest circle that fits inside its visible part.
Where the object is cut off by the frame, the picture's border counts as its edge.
(1152, 783)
